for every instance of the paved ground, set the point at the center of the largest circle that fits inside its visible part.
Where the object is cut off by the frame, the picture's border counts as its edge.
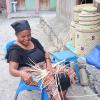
(8, 84)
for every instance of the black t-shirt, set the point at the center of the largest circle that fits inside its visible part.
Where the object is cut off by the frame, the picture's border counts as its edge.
(25, 57)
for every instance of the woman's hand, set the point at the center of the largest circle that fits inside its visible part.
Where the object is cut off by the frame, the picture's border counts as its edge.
(26, 76)
(47, 55)
(48, 79)
(48, 60)
(61, 69)
(25, 73)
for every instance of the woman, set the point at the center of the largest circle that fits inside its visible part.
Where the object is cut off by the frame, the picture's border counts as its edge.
(27, 49)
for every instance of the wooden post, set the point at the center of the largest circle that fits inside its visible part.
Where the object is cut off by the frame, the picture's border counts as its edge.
(7, 7)
(78, 2)
(36, 7)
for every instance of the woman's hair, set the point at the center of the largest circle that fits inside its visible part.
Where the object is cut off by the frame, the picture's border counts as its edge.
(20, 25)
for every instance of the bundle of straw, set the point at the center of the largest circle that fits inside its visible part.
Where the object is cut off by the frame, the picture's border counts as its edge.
(43, 74)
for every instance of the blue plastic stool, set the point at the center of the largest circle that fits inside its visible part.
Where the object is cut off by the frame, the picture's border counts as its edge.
(23, 86)
(69, 56)
(8, 45)
(58, 56)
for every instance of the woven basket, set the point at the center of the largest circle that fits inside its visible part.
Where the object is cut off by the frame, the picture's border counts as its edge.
(72, 33)
(76, 17)
(88, 29)
(78, 9)
(84, 42)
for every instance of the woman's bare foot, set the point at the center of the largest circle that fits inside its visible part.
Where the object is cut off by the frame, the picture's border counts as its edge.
(33, 83)
(51, 97)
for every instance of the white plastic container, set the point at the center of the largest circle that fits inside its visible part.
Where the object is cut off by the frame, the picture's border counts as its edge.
(83, 77)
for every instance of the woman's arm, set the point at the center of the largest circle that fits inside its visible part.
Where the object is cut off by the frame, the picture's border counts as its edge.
(58, 68)
(13, 69)
(24, 74)
(48, 60)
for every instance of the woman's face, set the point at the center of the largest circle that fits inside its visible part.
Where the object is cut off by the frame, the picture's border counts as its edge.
(24, 37)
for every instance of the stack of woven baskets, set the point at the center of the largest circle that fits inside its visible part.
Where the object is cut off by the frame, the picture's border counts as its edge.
(85, 29)
(74, 23)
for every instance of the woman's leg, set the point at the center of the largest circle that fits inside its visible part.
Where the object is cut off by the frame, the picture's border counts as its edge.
(63, 85)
